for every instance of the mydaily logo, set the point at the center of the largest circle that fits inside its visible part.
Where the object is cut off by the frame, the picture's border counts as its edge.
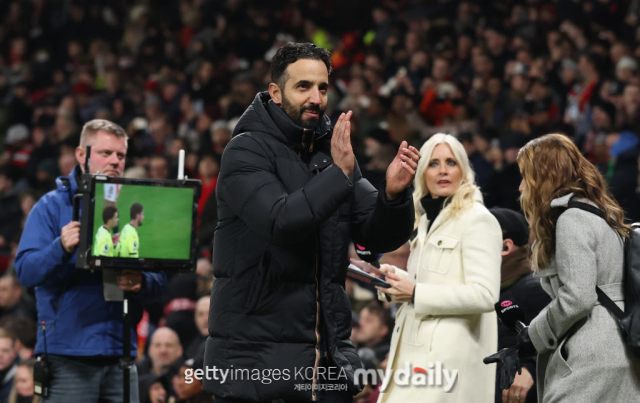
(435, 375)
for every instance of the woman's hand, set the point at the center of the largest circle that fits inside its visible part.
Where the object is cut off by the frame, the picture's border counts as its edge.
(401, 289)
(387, 268)
(521, 385)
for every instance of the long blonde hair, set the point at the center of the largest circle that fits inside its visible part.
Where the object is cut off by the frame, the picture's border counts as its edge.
(552, 166)
(13, 394)
(464, 196)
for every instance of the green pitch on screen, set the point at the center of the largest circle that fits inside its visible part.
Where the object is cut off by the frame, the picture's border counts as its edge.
(166, 230)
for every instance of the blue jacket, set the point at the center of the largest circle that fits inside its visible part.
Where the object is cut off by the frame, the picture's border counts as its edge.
(70, 301)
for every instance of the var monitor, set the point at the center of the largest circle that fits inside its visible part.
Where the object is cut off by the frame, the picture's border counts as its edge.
(139, 224)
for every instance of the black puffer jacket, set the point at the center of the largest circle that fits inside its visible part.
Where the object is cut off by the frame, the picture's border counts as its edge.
(281, 244)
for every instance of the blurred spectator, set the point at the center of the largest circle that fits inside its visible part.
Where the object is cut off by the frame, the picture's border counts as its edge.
(379, 151)
(204, 271)
(626, 69)
(436, 103)
(371, 389)
(374, 329)
(14, 301)
(518, 284)
(66, 163)
(402, 121)
(179, 307)
(9, 205)
(189, 392)
(220, 137)
(25, 331)
(165, 351)
(631, 105)
(153, 388)
(604, 118)
(208, 169)
(507, 180)
(18, 148)
(201, 317)
(623, 173)
(481, 167)
(590, 67)
(135, 173)
(8, 363)
(27, 201)
(158, 167)
(23, 385)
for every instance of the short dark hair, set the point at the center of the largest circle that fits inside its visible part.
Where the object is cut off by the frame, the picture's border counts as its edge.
(108, 213)
(290, 53)
(24, 329)
(382, 313)
(136, 208)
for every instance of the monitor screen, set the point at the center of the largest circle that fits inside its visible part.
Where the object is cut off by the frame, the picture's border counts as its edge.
(142, 222)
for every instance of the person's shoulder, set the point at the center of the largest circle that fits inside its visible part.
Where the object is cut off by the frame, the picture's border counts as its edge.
(478, 215)
(574, 220)
(126, 230)
(250, 139)
(52, 198)
(478, 211)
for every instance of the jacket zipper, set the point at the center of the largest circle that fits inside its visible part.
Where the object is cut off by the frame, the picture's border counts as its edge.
(317, 347)
(314, 392)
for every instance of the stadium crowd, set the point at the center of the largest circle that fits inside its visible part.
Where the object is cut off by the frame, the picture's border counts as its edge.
(177, 74)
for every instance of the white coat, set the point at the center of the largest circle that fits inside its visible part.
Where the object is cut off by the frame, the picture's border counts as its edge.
(456, 268)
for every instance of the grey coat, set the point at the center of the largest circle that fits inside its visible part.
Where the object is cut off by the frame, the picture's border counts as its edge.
(581, 353)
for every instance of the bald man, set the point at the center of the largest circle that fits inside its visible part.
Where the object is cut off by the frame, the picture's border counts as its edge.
(201, 317)
(165, 353)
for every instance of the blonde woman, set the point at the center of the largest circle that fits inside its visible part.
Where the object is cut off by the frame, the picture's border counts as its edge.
(22, 391)
(581, 354)
(450, 287)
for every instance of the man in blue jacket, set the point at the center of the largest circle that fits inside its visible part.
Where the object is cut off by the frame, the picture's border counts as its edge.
(83, 331)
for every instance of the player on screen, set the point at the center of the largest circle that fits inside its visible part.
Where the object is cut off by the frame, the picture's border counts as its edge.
(129, 244)
(102, 244)
(111, 193)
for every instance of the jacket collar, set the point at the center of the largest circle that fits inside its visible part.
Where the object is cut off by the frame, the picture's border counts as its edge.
(300, 139)
(563, 201)
(69, 184)
(264, 116)
(422, 226)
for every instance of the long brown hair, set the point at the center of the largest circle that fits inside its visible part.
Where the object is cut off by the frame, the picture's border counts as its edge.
(552, 166)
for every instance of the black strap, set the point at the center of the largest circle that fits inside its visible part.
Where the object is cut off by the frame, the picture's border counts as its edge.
(602, 297)
(586, 207)
(609, 304)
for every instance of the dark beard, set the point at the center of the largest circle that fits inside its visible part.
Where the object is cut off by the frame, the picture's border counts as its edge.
(295, 114)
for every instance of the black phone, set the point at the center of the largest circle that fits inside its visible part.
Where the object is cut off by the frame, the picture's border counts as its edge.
(359, 274)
